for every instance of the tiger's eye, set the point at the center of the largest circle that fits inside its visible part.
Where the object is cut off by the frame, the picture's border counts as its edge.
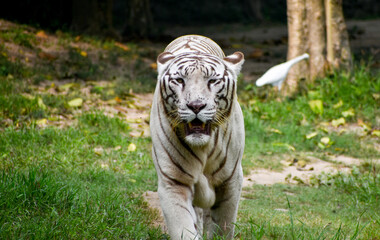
(180, 80)
(211, 81)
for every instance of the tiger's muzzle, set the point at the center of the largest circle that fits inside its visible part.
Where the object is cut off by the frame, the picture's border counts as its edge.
(197, 127)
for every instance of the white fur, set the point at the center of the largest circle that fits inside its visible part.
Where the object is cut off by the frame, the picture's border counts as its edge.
(187, 198)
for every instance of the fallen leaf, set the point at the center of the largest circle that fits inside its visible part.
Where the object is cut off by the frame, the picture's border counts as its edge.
(376, 133)
(311, 135)
(316, 106)
(338, 104)
(321, 146)
(41, 34)
(122, 46)
(47, 56)
(274, 130)
(153, 66)
(77, 102)
(138, 120)
(41, 122)
(365, 126)
(349, 113)
(325, 140)
(41, 103)
(53, 118)
(83, 53)
(338, 122)
(290, 147)
(301, 163)
(131, 105)
(117, 99)
(256, 53)
(111, 101)
(131, 147)
(66, 86)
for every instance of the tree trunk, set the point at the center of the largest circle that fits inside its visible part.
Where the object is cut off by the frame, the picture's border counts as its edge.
(140, 21)
(93, 17)
(84, 16)
(338, 47)
(252, 8)
(297, 39)
(316, 38)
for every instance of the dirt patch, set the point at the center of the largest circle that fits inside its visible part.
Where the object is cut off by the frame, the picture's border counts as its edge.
(295, 173)
(151, 198)
(290, 175)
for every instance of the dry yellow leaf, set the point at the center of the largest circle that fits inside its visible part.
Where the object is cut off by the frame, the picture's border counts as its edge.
(301, 163)
(41, 34)
(376, 133)
(131, 147)
(325, 140)
(311, 135)
(41, 122)
(122, 46)
(77, 102)
(338, 122)
(153, 66)
(41, 103)
(138, 120)
(316, 106)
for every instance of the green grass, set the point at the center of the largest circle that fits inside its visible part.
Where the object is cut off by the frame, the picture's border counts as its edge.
(40, 204)
(54, 185)
(296, 212)
(274, 127)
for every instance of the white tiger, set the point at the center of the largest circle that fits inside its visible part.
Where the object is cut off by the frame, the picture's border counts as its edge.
(197, 130)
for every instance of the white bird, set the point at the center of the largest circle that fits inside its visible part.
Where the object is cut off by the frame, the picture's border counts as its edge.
(277, 74)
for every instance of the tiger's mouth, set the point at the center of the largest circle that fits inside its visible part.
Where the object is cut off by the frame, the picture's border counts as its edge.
(197, 127)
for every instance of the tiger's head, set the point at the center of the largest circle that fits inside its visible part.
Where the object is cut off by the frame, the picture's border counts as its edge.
(198, 92)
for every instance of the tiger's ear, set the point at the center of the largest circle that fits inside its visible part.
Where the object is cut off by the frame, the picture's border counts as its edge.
(235, 61)
(163, 60)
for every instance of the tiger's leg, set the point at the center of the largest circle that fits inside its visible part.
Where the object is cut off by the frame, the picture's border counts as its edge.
(224, 211)
(179, 214)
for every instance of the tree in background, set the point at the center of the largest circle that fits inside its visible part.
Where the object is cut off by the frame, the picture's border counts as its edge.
(253, 10)
(316, 27)
(93, 17)
(139, 22)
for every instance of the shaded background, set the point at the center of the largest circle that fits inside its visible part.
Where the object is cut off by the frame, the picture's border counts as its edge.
(63, 14)
(258, 28)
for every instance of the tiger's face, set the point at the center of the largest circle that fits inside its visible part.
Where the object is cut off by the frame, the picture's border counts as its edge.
(198, 91)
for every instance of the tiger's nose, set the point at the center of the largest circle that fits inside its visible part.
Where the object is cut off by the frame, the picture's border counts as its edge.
(196, 106)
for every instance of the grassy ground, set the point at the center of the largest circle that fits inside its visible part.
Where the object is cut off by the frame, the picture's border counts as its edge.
(71, 170)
